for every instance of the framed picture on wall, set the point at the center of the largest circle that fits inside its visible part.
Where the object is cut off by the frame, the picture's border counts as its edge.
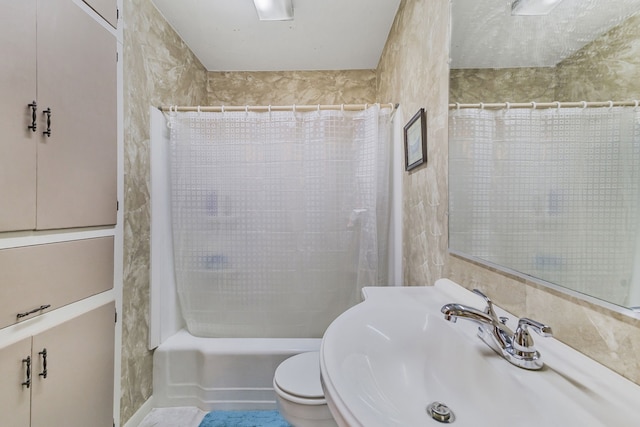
(415, 141)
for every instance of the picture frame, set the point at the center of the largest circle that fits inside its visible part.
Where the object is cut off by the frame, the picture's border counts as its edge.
(415, 141)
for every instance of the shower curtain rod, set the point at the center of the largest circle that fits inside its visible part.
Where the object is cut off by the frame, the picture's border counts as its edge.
(541, 105)
(265, 108)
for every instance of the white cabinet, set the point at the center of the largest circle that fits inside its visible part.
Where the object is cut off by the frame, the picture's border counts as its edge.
(108, 9)
(63, 376)
(58, 170)
(15, 390)
(57, 158)
(18, 88)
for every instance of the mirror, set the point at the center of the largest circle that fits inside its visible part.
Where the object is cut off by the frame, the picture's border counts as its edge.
(523, 216)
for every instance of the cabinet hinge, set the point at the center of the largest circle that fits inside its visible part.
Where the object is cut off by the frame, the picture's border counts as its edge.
(117, 205)
(117, 13)
(116, 317)
(117, 58)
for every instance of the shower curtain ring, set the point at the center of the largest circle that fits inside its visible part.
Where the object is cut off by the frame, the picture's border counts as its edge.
(198, 110)
(558, 104)
(482, 105)
(457, 105)
(584, 104)
(610, 104)
(534, 105)
(637, 102)
(507, 105)
(294, 108)
(222, 109)
(170, 118)
(246, 109)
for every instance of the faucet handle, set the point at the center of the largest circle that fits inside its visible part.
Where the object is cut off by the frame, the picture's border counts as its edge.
(479, 292)
(522, 340)
(540, 328)
(489, 308)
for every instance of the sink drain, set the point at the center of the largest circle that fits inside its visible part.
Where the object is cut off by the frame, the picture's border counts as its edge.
(441, 412)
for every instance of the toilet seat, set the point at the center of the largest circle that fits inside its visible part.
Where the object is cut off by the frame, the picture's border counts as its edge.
(297, 379)
(299, 393)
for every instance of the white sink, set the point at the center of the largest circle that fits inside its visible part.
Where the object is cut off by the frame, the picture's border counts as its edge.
(384, 360)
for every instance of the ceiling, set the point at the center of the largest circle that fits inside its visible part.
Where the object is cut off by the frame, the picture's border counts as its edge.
(226, 35)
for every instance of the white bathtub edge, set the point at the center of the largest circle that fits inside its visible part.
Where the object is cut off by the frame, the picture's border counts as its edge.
(221, 373)
(139, 415)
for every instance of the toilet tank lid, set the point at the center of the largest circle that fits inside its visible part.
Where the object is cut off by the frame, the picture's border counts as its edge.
(299, 375)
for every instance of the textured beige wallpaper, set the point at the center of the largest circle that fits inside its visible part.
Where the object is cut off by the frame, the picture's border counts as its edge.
(608, 68)
(292, 87)
(502, 85)
(414, 72)
(158, 69)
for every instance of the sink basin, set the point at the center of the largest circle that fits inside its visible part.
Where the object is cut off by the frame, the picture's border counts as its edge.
(386, 359)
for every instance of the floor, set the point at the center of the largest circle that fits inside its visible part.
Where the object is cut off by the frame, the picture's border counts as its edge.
(173, 417)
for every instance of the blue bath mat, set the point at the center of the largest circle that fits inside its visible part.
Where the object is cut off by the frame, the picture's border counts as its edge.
(244, 419)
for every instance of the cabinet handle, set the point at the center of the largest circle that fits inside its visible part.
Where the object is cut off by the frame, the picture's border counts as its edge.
(35, 310)
(27, 382)
(48, 131)
(43, 353)
(34, 117)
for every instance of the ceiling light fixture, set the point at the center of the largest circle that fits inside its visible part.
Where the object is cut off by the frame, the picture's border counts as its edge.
(274, 10)
(533, 7)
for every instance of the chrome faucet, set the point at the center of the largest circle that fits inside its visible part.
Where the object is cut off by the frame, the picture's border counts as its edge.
(517, 347)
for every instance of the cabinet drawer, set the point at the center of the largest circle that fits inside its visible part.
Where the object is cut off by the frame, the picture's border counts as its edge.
(53, 274)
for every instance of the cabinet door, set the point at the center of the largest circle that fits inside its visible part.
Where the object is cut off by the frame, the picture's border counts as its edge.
(18, 89)
(78, 388)
(108, 9)
(15, 396)
(76, 164)
(54, 274)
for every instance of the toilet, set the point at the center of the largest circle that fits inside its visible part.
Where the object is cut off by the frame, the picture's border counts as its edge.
(299, 394)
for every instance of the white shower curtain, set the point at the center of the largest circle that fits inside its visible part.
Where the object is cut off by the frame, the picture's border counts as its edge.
(279, 218)
(553, 193)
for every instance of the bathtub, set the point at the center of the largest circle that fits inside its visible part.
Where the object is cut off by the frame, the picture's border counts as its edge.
(209, 373)
(221, 373)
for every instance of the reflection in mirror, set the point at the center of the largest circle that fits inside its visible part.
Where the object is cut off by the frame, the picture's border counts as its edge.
(544, 150)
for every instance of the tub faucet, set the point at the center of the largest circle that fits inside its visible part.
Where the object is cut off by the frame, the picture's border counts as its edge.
(517, 347)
